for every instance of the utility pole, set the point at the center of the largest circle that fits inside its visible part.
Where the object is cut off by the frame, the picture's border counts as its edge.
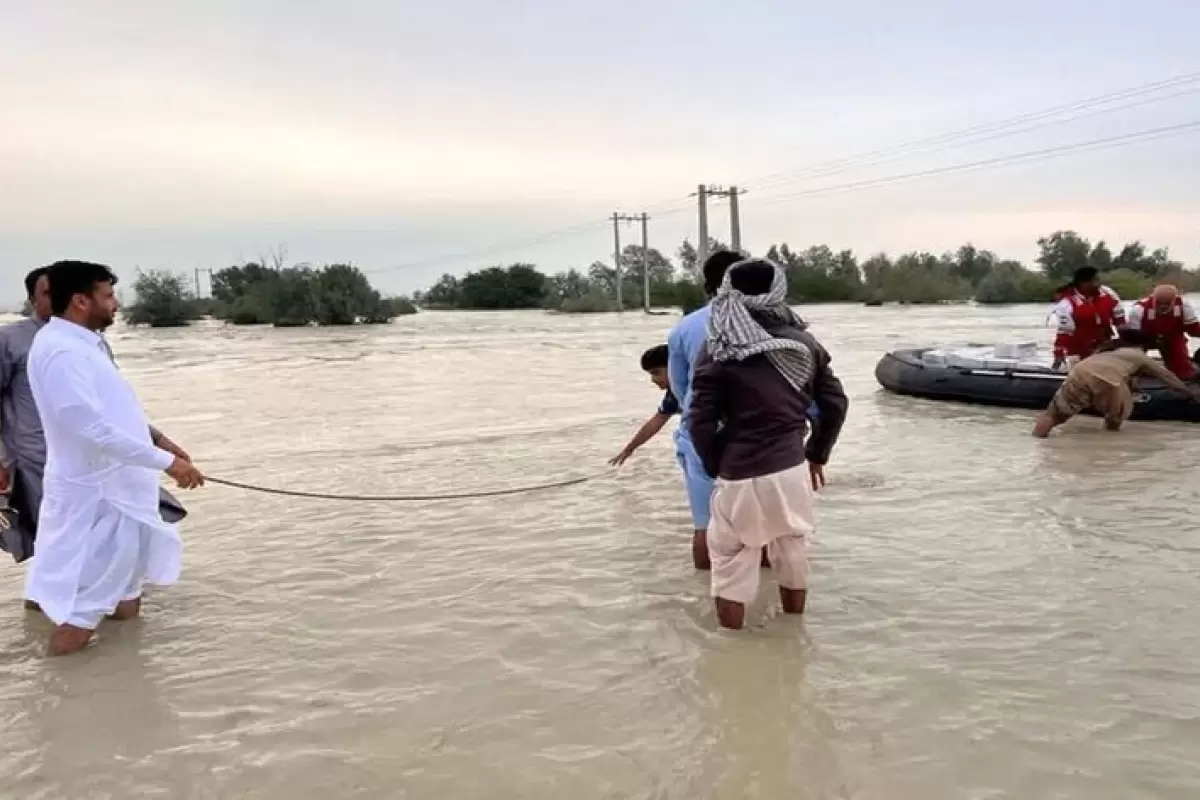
(616, 219)
(735, 220)
(198, 271)
(645, 264)
(643, 218)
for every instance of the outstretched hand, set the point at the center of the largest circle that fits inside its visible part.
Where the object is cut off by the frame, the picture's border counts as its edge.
(620, 458)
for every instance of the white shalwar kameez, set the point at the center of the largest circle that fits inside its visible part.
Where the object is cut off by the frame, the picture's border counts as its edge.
(100, 535)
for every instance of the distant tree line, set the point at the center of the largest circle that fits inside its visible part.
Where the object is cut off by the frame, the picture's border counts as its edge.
(821, 275)
(257, 294)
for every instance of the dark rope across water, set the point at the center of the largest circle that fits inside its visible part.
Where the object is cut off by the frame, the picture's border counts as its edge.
(408, 498)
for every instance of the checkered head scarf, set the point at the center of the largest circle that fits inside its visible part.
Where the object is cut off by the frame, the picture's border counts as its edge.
(735, 335)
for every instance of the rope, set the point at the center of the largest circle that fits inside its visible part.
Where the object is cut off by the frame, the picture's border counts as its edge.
(407, 498)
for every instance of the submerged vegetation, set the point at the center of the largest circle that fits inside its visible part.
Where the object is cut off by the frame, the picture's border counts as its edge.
(821, 275)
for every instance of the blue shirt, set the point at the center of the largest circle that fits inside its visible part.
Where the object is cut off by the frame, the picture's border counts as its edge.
(685, 343)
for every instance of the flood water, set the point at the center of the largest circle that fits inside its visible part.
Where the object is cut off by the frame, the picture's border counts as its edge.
(991, 616)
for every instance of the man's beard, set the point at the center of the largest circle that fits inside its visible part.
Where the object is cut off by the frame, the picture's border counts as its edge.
(101, 321)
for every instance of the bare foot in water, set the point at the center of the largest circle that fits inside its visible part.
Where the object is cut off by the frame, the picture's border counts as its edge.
(68, 639)
(127, 610)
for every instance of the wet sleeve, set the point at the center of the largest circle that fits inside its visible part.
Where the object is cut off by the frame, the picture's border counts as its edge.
(829, 396)
(705, 414)
(7, 370)
(72, 400)
(1154, 369)
(1064, 317)
(1191, 325)
(678, 367)
(1118, 313)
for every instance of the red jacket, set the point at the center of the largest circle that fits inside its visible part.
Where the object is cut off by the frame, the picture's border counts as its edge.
(1084, 322)
(1179, 321)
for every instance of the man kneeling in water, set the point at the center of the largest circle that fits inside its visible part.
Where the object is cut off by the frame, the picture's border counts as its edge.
(1103, 383)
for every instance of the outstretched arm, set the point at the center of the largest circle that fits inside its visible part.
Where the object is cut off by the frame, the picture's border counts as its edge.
(648, 431)
(1153, 369)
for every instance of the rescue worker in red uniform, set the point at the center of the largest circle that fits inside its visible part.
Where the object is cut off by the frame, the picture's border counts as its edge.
(1087, 313)
(1166, 320)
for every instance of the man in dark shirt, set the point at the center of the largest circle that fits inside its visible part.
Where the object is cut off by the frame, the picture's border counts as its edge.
(751, 395)
(654, 362)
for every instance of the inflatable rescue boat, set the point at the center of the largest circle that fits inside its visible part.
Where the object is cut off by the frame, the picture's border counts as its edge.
(1013, 376)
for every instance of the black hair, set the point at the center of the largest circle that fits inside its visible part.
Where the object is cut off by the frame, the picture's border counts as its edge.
(69, 278)
(716, 266)
(655, 357)
(1083, 275)
(1126, 337)
(753, 277)
(32, 279)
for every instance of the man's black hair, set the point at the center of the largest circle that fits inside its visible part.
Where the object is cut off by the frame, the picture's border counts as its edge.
(32, 278)
(69, 278)
(1083, 275)
(1126, 337)
(655, 357)
(754, 277)
(716, 266)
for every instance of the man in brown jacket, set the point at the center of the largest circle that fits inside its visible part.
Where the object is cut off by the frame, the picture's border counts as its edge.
(1103, 383)
(751, 394)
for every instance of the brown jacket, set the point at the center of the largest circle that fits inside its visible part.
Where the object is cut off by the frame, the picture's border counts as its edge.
(747, 421)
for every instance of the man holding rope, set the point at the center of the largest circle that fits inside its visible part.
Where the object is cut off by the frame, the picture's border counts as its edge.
(101, 536)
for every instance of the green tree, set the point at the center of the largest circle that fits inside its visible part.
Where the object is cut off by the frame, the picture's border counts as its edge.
(1010, 282)
(162, 300)
(970, 264)
(518, 286)
(1061, 253)
(446, 293)
(1127, 283)
(338, 294)
(1101, 258)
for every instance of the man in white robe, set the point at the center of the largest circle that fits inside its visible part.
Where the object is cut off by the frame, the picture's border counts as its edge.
(100, 534)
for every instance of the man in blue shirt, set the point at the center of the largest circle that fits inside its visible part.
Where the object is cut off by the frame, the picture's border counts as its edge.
(686, 341)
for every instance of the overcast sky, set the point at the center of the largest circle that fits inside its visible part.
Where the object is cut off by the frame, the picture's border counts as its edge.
(395, 135)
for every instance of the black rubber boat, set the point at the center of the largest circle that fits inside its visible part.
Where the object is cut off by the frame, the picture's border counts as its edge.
(905, 372)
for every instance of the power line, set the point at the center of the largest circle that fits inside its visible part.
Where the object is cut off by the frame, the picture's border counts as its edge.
(986, 131)
(516, 244)
(950, 140)
(1032, 155)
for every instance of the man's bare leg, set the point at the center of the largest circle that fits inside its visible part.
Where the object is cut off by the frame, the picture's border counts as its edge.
(68, 639)
(700, 557)
(793, 600)
(127, 610)
(730, 615)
